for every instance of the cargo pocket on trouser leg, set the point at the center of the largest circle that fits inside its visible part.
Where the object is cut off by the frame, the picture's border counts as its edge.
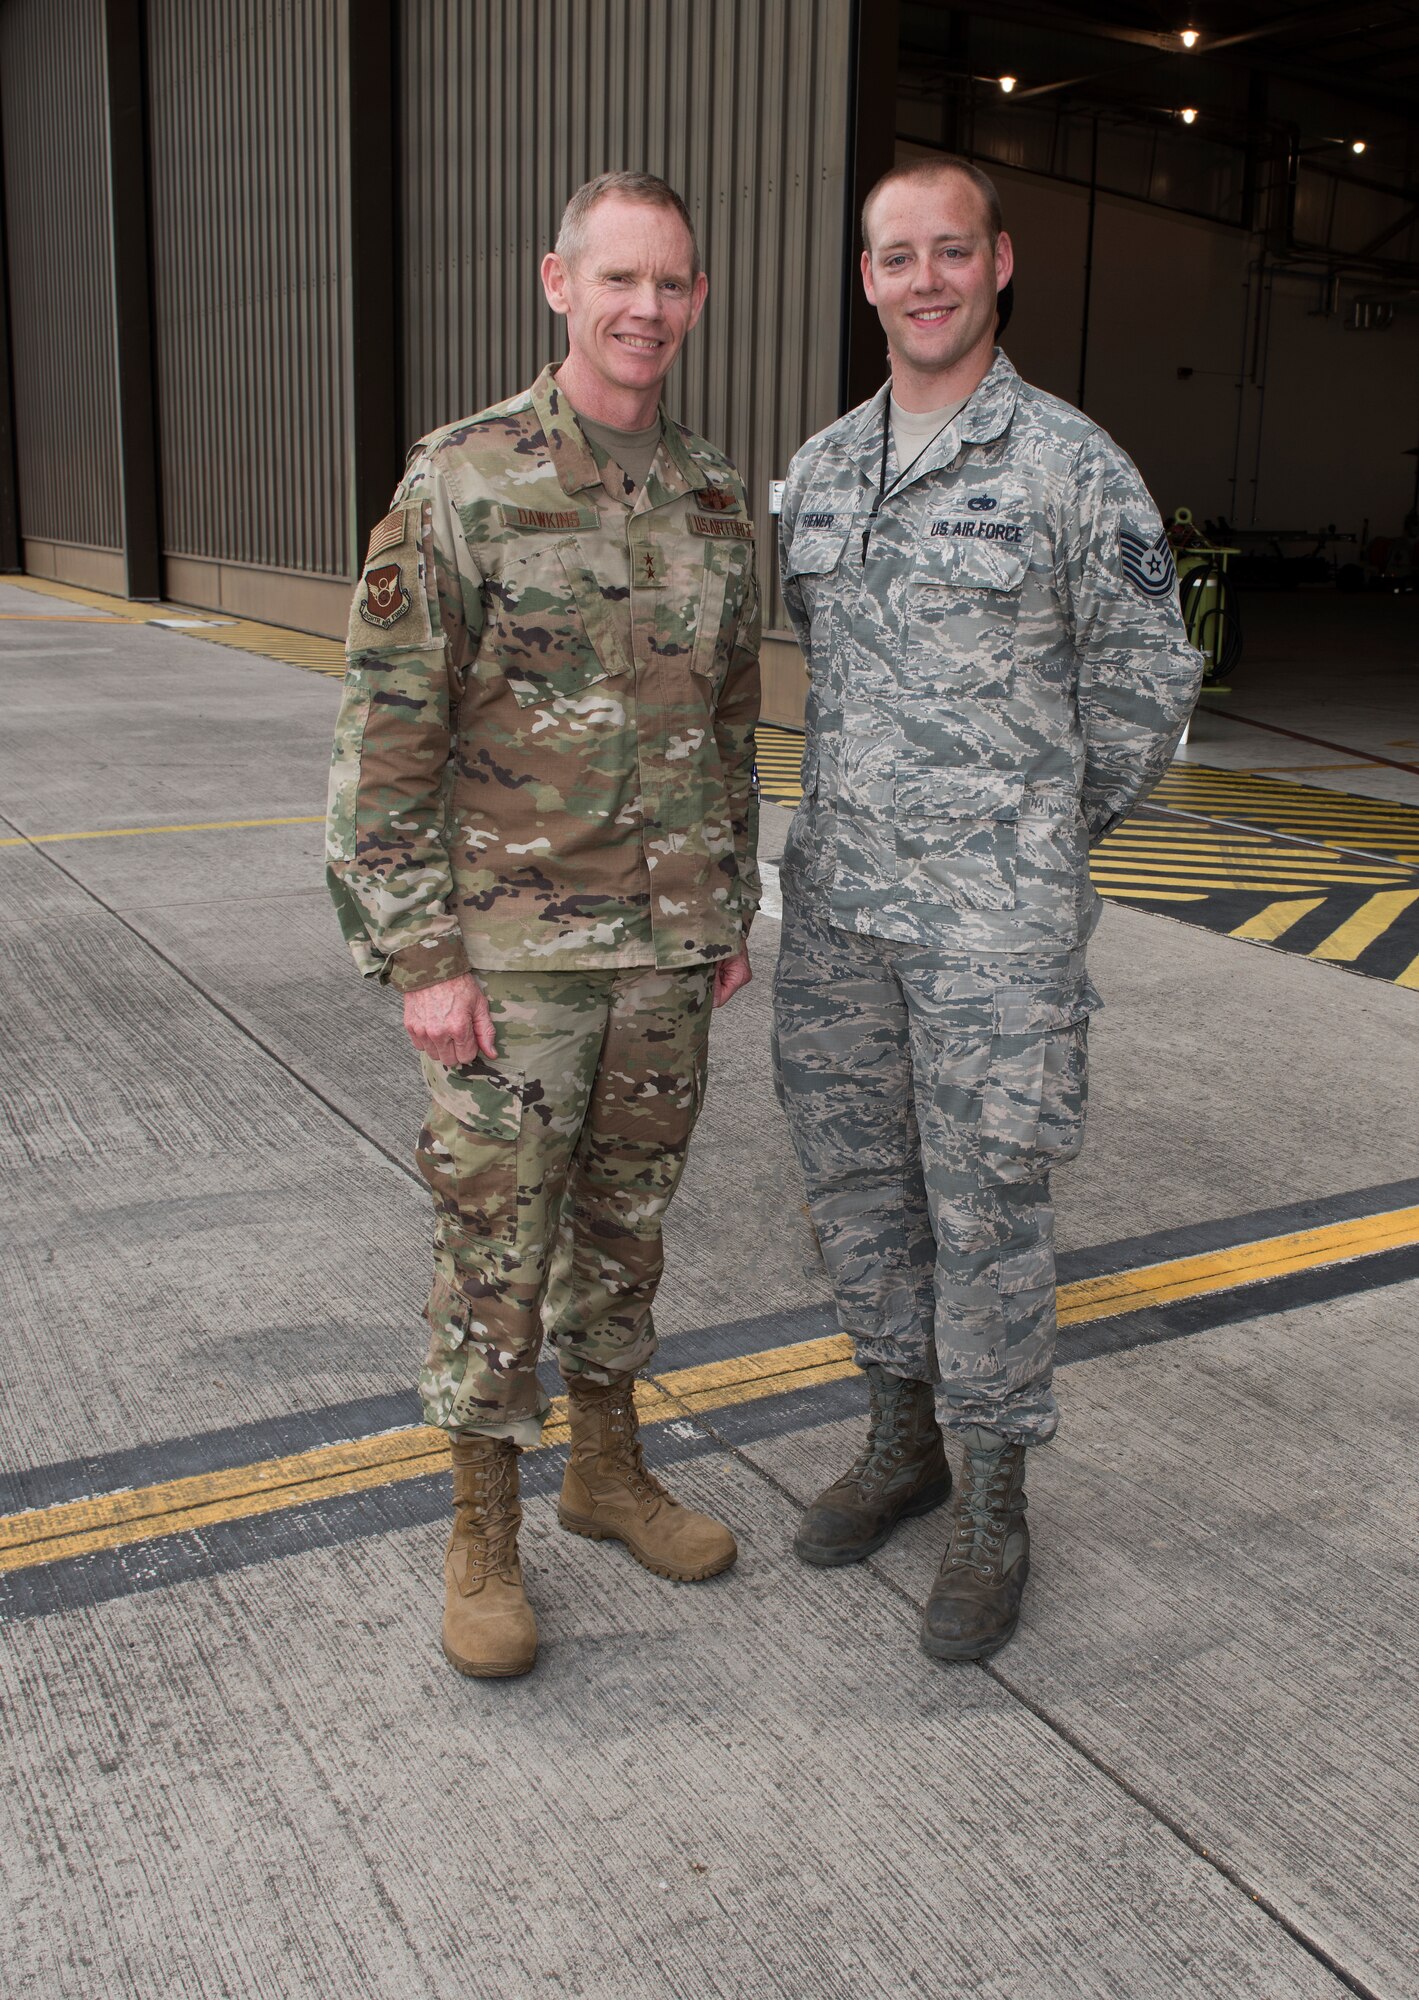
(1037, 1088)
(481, 1370)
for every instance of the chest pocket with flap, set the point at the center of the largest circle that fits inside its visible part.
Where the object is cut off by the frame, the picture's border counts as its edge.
(548, 625)
(968, 574)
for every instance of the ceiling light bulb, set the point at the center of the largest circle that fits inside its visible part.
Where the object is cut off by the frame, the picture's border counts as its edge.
(1188, 116)
(1007, 84)
(1357, 145)
(1189, 38)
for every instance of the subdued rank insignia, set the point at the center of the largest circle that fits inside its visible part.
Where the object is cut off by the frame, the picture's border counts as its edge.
(716, 500)
(388, 534)
(386, 600)
(1148, 566)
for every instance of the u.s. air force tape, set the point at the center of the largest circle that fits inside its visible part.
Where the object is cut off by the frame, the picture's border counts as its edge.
(718, 524)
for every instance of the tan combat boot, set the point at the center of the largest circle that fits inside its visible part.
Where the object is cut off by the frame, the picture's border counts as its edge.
(609, 1495)
(488, 1627)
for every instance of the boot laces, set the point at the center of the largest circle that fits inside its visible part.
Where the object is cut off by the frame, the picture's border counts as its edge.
(491, 1516)
(884, 1446)
(982, 1515)
(623, 1437)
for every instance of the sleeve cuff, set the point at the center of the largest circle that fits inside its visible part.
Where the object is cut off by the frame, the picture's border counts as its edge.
(429, 962)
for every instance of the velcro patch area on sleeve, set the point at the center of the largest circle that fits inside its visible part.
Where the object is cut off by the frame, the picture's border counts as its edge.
(388, 533)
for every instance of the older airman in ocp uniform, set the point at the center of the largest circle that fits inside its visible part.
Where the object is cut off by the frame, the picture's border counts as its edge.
(987, 604)
(542, 829)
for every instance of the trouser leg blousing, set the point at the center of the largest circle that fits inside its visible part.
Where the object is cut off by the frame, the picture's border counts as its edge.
(900, 1472)
(974, 1604)
(608, 1493)
(927, 1099)
(488, 1627)
(551, 1169)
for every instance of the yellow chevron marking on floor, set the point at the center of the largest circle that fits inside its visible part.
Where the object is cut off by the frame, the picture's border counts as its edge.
(246, 635)
(131, 832)
(177, 1506)
(1409, 976)
(1276, 919)
(1371, 920)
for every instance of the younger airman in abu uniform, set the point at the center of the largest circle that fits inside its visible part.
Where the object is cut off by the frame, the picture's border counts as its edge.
(542, 829)
(987, 603)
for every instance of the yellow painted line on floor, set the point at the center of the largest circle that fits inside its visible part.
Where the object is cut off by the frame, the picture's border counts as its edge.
(1370, 921)
(131, 832)
(246, 635)
(1243, 1264)
(57, 618)
(177, 1506)
(1121, 878)
(1276, 919)
(1409, 976)
(1150, 895)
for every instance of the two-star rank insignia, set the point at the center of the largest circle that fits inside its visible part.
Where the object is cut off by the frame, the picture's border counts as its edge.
(1148, 565)
(386, 600)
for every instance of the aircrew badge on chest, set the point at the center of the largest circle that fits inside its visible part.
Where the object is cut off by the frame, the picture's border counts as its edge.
(715, 500)
(386, 599)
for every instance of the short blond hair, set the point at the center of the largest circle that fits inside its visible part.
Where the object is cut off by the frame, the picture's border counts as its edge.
(926, 171)
(648, 188)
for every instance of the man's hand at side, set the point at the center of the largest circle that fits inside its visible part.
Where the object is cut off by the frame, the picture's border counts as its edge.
(729, 975)
(451, 1021)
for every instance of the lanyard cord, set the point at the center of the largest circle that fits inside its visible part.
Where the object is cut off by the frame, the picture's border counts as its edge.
(881, 475)
(882, 469)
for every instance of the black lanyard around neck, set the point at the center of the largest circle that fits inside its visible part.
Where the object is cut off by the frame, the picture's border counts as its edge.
(882, 467)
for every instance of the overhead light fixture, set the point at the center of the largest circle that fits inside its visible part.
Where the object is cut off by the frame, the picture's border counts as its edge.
(1189, 38)
(1189, 116)
(1007, 84)
(1357, 145)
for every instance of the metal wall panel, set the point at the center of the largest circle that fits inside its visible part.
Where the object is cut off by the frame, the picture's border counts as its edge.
(248, 141)
(57, 217)
(508, 105)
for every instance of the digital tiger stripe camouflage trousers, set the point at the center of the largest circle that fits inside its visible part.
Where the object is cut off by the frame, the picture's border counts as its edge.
(928, 1099)
(551, 1169)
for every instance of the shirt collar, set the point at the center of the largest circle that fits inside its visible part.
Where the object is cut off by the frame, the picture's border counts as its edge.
(986, 416)
(672, 474)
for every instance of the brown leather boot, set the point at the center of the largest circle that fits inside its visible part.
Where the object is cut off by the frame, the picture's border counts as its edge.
(900, 1471)
(974, 1604)
(609, 1495)
(488, 1627)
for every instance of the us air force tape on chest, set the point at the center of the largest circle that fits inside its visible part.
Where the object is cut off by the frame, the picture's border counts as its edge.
(389, 598)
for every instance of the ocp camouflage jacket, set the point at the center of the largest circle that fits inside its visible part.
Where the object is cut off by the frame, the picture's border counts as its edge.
(544, 756)
(996, 680)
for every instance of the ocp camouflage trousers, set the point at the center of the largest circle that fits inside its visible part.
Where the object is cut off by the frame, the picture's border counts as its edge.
(551, 1169)
(928, 1100)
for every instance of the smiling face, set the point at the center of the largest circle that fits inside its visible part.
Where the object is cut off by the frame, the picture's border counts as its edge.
(629, 299)
(933, 273)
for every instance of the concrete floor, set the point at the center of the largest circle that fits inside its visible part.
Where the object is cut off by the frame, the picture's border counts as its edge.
(1191, 1774)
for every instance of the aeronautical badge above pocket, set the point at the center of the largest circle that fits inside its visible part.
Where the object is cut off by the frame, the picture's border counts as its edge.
(1147, 562)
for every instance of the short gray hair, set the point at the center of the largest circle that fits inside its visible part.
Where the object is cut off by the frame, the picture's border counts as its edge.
(647, 188)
